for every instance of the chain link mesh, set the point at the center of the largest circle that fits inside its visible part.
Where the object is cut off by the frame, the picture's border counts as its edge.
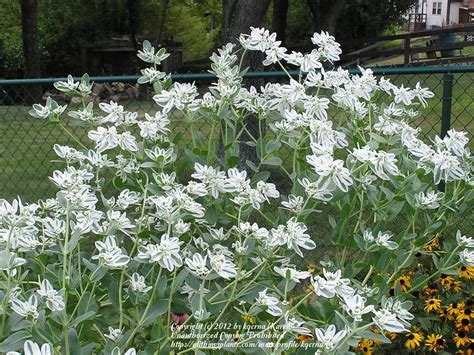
(26, 143)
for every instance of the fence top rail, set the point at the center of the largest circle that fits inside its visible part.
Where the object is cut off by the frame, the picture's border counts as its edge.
(257, 74)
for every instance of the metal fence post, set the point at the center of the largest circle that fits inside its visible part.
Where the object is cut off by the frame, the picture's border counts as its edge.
(448, 79)
(447, 102)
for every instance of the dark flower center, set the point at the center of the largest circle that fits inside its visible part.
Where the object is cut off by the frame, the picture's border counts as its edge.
(454, 305)
(463, 268)
(440, 341)
(465, 322)
(461, 334)
(467, 312)
(402, 282)
(411, 336)
(443, 276)
(432, 302)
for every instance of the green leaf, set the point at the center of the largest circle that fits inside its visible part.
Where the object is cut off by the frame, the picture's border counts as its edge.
(74, 347)
(156, 309)
(272, 161)
(272, 146)
(14, 341)
(232, 161)
(76, 321)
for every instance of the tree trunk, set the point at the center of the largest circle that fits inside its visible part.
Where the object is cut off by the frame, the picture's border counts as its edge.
(239, 16)
(332, 15)
(164, 11)
(325, 14)
(29, 25)
(280, 14)
(133, 21)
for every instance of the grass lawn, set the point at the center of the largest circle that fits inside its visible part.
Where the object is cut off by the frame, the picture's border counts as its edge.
(27, 158)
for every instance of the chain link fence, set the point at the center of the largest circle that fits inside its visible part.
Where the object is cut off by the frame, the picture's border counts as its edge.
(26, 143)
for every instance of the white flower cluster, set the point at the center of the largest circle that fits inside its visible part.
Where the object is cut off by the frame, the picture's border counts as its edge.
(134, 235)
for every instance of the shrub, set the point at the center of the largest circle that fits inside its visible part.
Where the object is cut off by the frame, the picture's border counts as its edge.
(164, 261)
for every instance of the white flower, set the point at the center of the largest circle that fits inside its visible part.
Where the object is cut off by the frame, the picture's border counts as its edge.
(26, 308)
(294, 203)
(110, 254)
(197, 265)
(114, 334)
(326, 166)
(329, 339)
(456, 142)
(270, 302)
(32, 348)
(403, 95)
(214, 180)
(422, 94)
(179, 96)
(464, 241)
(331, 285)
(294, 325)
(104, 138)
(387, 321)
(355, 306)
(138, 283)
(224, 267)
(467, 257)
(166, 253)
(447, 167)
(293, 235)
(292, 274)
(54, 301)
(429, 200)
(383, 239)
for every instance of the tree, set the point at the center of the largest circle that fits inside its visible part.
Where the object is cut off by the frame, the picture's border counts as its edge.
(326, 13)
(353, 20)
(279, 18)
(29, 25)
(238, 17)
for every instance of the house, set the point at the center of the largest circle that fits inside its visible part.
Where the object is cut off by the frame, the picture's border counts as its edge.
(428, 14)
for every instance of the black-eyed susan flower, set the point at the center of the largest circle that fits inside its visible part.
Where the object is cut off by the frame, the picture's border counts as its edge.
(414, 340)
(466, 272)
(465, 313)
(461, 338)
(404, 281)
(366, 346)
(457, 286)
(454, 309)
(464, 324)
(435, 342)
(393, 336)
(432, 305)
(442, 313)
(446, 281)
(431, 289)
(433, 243)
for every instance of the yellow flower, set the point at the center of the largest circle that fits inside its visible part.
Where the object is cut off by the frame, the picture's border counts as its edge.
(464, 324)
(435, 342)
(404, 281)
(466, 313)
(446, 281)
(461, 338)
(366, 346)
(393, 336)
(248, 318)
(433, 243)
(432, 304)
(457, 286)
(466, 272)
(454, 309)
(414, 340)
(431, 289)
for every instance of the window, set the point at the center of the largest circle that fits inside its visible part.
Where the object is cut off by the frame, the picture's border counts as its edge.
(437, 8)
